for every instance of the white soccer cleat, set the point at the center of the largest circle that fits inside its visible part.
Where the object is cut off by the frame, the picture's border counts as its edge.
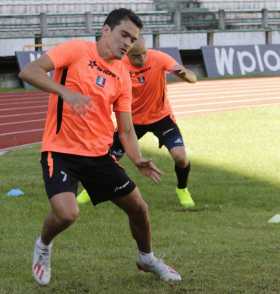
(160, 269)
(41, 267)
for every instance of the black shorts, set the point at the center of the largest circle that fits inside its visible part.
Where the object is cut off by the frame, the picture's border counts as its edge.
(166, 130)
(102, 177)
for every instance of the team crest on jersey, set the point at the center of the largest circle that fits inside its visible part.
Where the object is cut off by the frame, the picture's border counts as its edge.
(141, 79)
(100, 81)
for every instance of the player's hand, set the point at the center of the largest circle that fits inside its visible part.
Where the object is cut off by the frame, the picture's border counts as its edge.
(149, 169)
(79, 103)
(184, 73)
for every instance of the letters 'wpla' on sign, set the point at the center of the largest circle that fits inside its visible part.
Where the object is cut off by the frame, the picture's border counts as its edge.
(242, 60)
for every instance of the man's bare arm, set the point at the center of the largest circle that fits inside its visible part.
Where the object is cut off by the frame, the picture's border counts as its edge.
(129, 141)
(184, 73)
(35, 73)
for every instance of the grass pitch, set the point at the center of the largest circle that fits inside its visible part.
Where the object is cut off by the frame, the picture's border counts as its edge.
(224, 246)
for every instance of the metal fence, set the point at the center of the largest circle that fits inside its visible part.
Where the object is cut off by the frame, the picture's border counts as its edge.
(229, 19)
(84, 24)
(238, 4)
(78, 24)
(68, 6)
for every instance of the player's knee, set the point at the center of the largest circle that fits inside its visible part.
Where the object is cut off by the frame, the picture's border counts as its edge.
(141, 210)
(144, 210)
(70, 217)
(181, 161)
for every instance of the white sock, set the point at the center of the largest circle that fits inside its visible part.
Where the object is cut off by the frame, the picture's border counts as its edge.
(146, 257)
(41, 244)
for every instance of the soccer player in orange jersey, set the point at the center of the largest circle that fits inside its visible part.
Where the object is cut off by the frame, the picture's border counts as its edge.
(89, 82)
(151, 111)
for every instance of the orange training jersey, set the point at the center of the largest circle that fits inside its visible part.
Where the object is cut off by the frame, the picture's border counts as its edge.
(108, 86)
(149, 102)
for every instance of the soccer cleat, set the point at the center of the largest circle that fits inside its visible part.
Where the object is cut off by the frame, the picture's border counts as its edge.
(160, 269)
(83, 197)
(185, 198)
(41, 266)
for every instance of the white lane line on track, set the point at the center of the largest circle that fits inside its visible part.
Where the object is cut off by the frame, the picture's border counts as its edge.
(188, 95)
(21, 132)
(29, 101)
(22, 114)
(22, 97)
(21, 122)
(223, 86)
(19, 146)
(222, 91)
(187, 98)
(215, 84)
(23, 94)
(230, 82)
(223, 108)
(198, 89)
(20, 108)
(224, 102)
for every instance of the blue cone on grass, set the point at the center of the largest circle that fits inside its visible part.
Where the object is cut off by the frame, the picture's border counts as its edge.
(15, 193)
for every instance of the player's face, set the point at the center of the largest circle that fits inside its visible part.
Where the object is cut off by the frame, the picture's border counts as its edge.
(137, 56)
(122, 37)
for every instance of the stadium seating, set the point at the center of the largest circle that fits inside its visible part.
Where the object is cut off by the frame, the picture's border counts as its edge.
(224, 14)
(25, 18)
(70, 6)
(240, 4)
(72, 17)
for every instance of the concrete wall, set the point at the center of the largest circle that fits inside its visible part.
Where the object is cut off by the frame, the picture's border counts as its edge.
(276, 37)
(239, 38)
(9, 46)
(183, 41)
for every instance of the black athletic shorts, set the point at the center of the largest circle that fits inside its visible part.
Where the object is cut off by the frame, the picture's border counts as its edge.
(166, 130)
(102, 177)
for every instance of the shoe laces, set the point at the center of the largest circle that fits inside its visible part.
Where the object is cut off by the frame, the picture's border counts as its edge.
(163, 266)
(44, 256)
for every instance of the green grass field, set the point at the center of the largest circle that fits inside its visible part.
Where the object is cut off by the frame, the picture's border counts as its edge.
(224, 246)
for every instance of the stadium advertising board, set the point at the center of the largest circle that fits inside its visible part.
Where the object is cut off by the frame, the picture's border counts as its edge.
(228, 61)
(173, 52)
(25, 57)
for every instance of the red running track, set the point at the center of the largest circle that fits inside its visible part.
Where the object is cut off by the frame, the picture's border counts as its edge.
(22, 115)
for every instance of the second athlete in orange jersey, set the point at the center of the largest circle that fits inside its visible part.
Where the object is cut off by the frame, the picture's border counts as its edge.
(151, 111)
(150, 103)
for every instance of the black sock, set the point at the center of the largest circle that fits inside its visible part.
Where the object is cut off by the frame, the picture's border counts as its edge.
(182, 175)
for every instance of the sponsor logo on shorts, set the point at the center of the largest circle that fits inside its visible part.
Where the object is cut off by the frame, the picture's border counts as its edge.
(64, 179)
(122, 186)
(167, 131)
(178, 141)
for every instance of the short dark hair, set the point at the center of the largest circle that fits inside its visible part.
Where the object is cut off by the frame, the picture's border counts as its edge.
(115, 17)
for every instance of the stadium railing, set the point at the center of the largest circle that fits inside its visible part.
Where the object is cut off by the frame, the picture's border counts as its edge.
(70, 6)
(84, 24)
(195, 19)
(215, 5)
(71, 24)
